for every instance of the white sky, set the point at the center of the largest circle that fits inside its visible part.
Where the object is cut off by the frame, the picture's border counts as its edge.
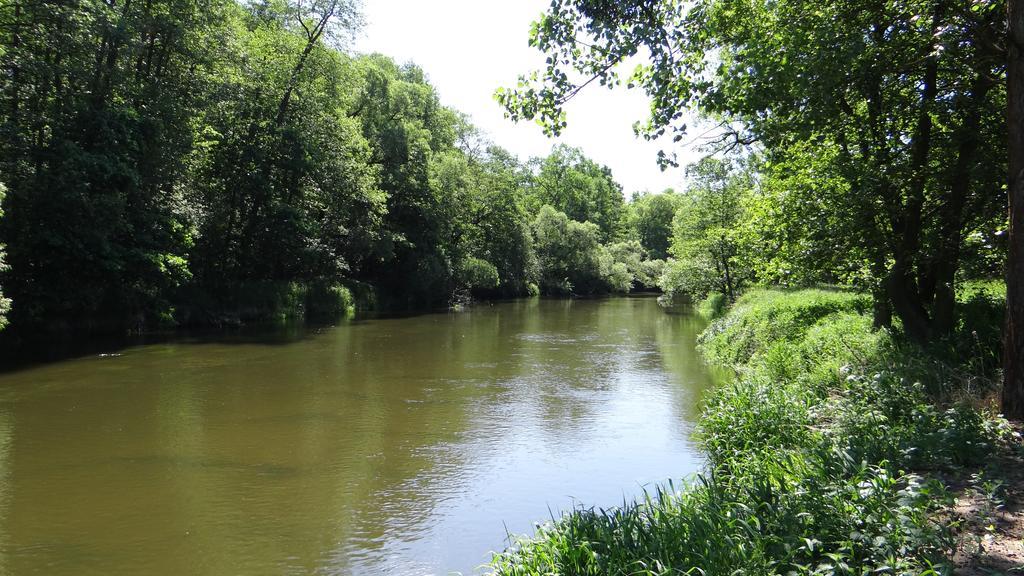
(468, 48)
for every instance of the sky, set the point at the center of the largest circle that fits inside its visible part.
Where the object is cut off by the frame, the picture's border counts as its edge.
(468, 48)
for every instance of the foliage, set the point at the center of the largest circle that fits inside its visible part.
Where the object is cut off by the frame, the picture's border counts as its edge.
(900, 107)
(807, 456)
(799, 236)
(477, 274)
(576, 185)
(636, 269)
(172, 161)
(98, 102)
(497, 224)
(762, 319)
(328, 302)
(649, 218)
(568, 254)
(713, 307)
(572, 261)
(711, 253)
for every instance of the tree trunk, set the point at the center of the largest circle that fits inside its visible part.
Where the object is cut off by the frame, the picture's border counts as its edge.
(1013, 343)
(730, 294)
(313, 36)
(951, 214)
(901, 284)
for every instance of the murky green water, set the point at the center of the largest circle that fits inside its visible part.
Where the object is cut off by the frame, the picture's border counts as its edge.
(388, 446)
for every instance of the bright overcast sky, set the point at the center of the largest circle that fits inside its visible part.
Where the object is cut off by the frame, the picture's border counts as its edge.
(468, 48)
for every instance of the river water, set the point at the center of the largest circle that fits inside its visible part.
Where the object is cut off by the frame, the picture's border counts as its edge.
(383, 446)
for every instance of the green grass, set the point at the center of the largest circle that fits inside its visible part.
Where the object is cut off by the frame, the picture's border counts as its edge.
(809, 453)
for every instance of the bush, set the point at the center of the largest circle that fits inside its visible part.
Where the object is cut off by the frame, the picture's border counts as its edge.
(712, 307)
(327, 302)
(477, 274)
(271, 302)
(266, 301)
(364, 295)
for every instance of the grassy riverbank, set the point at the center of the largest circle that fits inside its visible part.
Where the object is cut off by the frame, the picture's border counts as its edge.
(820, 452)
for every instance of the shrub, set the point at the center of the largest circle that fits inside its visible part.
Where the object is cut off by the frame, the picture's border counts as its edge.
(712, 307)
(328, 302)
(478, 274)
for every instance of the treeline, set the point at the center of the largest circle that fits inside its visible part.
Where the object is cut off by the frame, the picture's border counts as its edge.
(173, 162)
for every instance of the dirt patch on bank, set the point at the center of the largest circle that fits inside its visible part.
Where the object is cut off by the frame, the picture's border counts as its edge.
(990, 509)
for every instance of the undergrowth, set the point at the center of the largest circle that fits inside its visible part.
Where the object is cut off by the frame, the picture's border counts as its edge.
(815, 451)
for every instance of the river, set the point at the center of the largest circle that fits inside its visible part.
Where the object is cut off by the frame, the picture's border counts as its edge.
(381, 446)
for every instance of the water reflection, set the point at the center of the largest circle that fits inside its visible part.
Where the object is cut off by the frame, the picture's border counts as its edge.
(399, 446)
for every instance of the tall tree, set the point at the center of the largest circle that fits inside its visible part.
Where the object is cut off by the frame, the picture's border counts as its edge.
(650, 220)
(1013, 350)
(284, 176)
(97, 105)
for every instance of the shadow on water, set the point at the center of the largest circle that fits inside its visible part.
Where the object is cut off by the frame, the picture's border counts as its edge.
(21, 352)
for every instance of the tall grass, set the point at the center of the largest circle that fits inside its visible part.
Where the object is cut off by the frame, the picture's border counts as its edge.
(808, 451)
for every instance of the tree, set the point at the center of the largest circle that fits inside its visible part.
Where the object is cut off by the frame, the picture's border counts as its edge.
(793, 225)
(172, 161)
(707, 240)
(97, 105)
(649, 218)
(576, 185)
(905, 92)
(1013, 349)
(626, 266)
(413, 138)
(568, 254)
(499, 230)
(283, 173)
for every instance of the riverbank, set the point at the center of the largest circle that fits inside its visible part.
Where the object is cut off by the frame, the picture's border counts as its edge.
(826, 455)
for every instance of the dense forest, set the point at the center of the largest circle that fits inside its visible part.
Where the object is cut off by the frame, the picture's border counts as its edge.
(171, 163)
